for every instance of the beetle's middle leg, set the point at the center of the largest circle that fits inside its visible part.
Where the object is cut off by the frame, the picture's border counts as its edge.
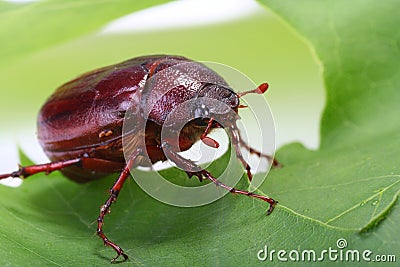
(105, 209)
(192, 169)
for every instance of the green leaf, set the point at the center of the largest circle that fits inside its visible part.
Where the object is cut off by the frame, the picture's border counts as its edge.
(353, 180)
(347, 189)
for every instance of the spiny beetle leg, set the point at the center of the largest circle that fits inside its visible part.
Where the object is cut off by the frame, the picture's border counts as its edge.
(105, 209)
(233, 190)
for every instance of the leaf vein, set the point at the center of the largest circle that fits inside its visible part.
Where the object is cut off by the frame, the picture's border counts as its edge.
(357, 205)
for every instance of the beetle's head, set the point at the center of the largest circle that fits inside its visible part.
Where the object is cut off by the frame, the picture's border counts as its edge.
(215, 101)
(181, 104)
(216, 106)
(191, 114)
(220, 103)
(194, 113)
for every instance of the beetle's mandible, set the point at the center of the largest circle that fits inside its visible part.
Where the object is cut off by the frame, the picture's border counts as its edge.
(80, 127)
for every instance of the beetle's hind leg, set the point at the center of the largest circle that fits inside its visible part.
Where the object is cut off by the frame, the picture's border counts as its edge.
(24, 172)
(84, 163)
(194, 170)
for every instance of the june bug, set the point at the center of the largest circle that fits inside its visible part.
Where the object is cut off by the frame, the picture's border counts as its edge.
(80, 127)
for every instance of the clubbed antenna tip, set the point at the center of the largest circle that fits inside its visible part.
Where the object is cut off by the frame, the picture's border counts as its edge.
(261, 89)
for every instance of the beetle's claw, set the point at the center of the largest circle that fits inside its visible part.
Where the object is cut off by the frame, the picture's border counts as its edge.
(276, 164)
(199, 175)
(114, 260)
(271, 207)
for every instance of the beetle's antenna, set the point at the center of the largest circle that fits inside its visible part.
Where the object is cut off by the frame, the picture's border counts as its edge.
(208, 140)
(261, 89)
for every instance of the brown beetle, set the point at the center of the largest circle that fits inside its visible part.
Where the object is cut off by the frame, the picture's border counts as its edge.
(80, 125)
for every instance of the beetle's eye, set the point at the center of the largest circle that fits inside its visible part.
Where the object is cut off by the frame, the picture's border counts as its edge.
(200, 122)
(201, 111)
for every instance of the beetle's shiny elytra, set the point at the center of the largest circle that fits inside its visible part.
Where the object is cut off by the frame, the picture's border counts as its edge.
(80, 125)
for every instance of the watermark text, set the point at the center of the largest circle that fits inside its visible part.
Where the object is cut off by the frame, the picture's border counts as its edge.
(338, 254)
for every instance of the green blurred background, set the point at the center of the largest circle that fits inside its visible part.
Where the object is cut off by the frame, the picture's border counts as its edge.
(258, 44)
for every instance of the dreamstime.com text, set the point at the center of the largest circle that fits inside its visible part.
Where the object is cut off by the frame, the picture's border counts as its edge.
(338, 254)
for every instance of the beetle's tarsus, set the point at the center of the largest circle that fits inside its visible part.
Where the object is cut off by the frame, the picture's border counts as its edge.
(6, 175)
(16, 174)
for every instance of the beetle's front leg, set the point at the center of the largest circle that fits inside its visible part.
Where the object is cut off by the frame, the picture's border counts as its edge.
(194, 170)
(237, 141)
(105, 209)
(271, 159)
